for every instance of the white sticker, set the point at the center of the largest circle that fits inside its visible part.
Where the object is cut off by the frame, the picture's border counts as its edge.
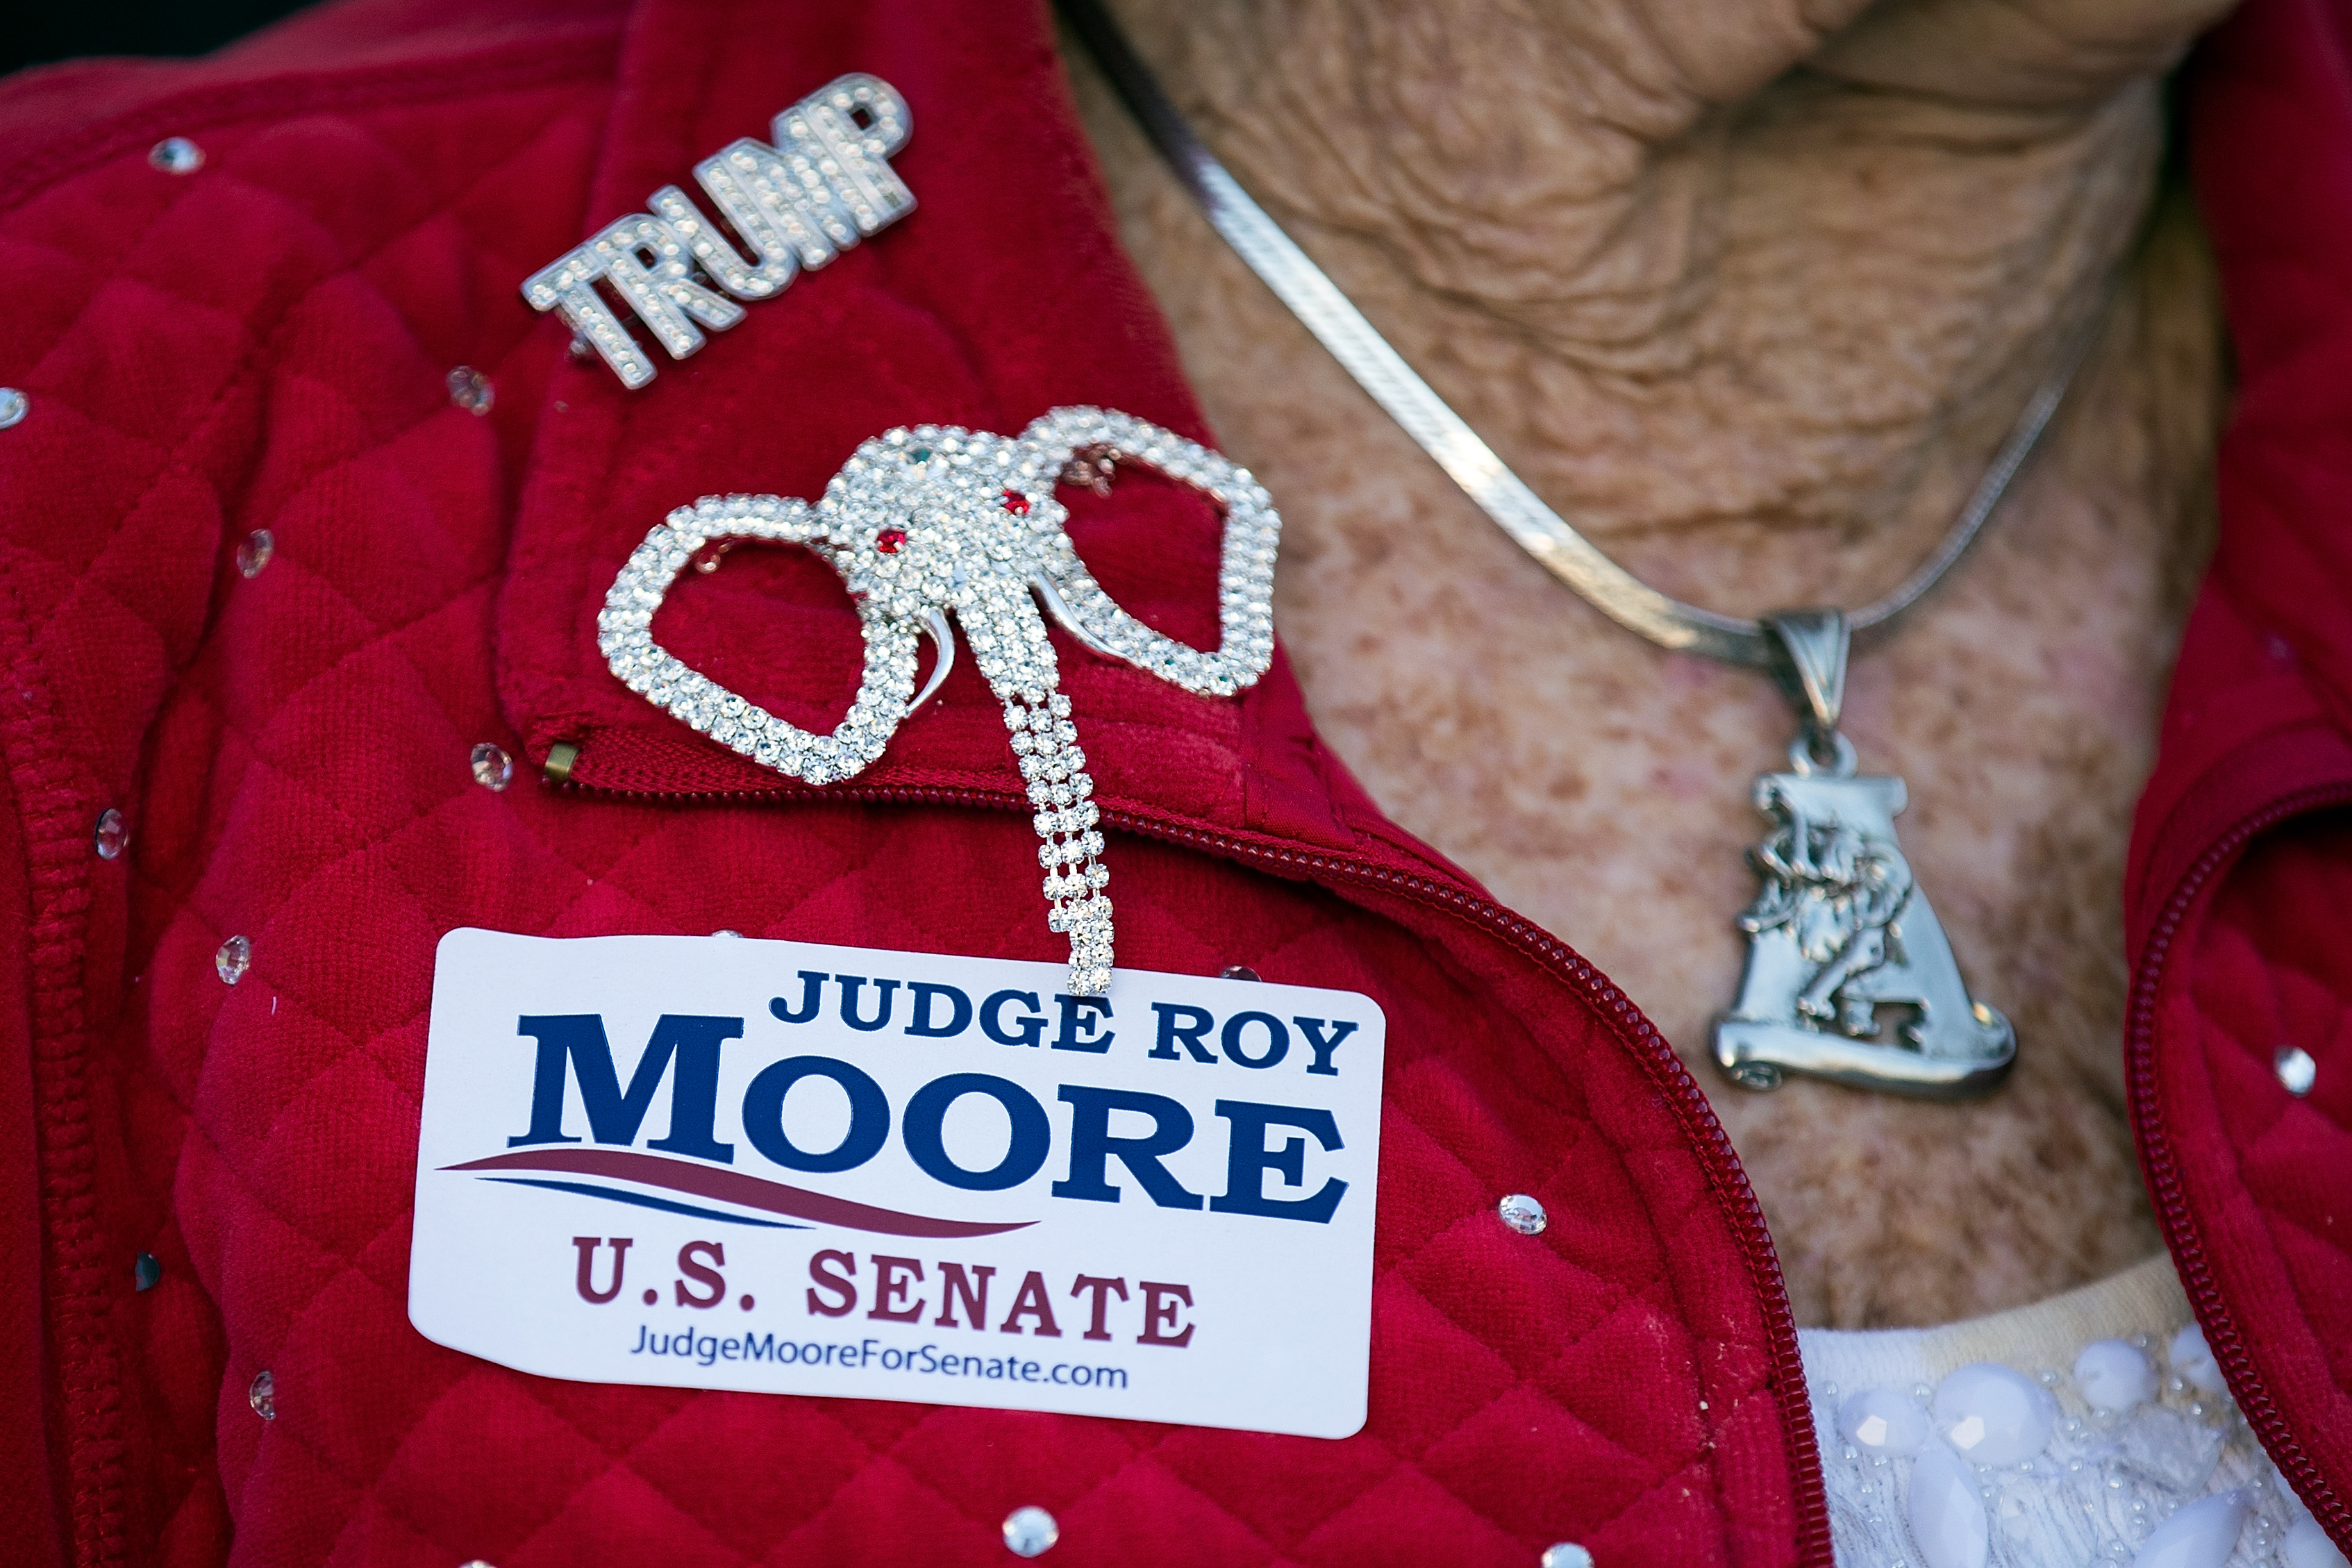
(721, 1163)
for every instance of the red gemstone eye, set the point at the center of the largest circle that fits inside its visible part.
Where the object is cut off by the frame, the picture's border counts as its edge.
(1017, 503)
(888, 541)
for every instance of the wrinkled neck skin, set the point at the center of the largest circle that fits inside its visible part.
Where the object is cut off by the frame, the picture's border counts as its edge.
(1750, 295)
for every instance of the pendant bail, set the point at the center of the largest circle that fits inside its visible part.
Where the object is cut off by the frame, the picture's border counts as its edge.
(1813, 647)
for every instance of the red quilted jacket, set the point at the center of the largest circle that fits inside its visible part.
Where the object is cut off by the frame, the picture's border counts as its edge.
(262, 343)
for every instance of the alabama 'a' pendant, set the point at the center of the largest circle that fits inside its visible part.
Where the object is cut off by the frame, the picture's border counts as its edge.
(1849, 975)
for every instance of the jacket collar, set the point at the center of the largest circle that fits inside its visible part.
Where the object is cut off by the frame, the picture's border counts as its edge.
(2258, 722)
(1003, 294)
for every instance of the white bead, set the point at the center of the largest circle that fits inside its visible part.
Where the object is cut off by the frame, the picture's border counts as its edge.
(1884, 1421)
(2114, 1374)
(2192, 1360)
(254, 553)
(2307, 1546)
(111, 835)
(2297, 1071)
(1993, 1414)
(176, 155)
(1947, 1517)
(1523, 1214)
(470, 390)
(1030, 1531)
(1565, 1554)
(2201, 1535)
(492, 768)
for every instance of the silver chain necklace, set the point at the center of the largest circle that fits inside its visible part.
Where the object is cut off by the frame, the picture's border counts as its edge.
(1839, 929)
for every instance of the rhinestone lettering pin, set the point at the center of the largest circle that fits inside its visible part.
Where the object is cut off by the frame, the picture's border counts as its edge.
(825, 183)
(924, 520)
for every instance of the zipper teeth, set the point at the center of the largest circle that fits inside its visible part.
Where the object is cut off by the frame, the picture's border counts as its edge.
(2181, 1234)
(1614, 1008)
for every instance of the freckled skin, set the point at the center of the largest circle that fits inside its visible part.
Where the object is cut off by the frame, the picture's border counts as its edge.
(1749, 289)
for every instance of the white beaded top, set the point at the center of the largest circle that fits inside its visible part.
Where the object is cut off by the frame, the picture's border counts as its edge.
(2094, 1429)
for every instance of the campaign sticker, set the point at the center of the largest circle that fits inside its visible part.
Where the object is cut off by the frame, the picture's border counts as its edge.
(782, 1167)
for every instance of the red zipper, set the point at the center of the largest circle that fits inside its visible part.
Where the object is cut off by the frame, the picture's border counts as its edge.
(1611, 1004)
(2157, 1160)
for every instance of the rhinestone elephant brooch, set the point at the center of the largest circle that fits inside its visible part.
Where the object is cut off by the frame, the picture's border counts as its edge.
(926, 521)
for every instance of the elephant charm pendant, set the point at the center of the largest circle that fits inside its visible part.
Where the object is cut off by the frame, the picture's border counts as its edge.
(935, 521)
(1839, 929)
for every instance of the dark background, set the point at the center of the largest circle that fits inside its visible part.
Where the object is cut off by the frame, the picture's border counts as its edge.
(34, 34)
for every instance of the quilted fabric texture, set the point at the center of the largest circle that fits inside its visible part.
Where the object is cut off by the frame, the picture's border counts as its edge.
(262, 345)
(2243, 865)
